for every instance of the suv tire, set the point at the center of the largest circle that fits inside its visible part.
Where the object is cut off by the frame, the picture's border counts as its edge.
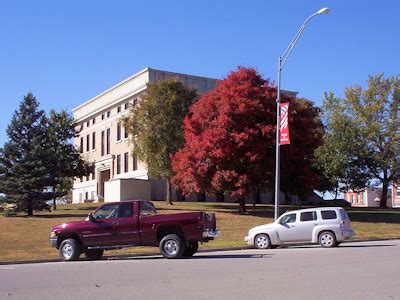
(172, 246)
(94, 254)
(262, 241)
(191, 249)
(327, 239)
(69, 250)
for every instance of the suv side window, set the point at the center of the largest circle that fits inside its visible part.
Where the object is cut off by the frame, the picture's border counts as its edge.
(126, 210)
(107, 211)
(328, 214)
(308, 216)
(291, 218)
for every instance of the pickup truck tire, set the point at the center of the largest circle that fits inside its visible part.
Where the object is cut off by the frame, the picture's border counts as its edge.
(70, 250)
(94, 254)
(327, 239)
(262, 241)
(191, 249)
(172, 246)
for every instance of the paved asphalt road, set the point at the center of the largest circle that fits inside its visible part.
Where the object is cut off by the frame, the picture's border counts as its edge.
(364, 270)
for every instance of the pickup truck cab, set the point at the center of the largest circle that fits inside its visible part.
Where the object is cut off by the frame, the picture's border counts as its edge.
(328, 226)
(118, 225)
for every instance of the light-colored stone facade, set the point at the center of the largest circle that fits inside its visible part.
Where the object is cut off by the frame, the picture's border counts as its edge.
(104, 141)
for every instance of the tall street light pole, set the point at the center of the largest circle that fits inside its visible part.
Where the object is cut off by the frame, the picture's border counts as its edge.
(281, 63)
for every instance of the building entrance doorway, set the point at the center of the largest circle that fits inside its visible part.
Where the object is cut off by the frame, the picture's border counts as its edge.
(104, 176)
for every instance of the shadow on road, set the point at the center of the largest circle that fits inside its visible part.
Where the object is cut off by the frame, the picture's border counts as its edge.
(196, 257)
(339, 247)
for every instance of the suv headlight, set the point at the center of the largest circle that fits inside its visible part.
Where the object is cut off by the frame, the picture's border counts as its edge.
(52, 235)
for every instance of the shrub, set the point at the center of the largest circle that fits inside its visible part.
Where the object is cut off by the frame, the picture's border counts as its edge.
(9, 209)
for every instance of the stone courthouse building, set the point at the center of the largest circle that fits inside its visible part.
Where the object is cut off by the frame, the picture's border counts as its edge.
(103, 140)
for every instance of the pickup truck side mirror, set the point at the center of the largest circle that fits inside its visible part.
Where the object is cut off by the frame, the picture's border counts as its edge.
(92, 218)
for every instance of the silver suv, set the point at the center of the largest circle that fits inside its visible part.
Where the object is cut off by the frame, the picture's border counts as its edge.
(328, 226)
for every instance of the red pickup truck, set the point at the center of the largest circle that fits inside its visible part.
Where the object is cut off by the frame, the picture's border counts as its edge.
(133, 223)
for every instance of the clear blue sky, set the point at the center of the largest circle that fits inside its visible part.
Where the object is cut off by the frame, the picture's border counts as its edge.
(66, 52)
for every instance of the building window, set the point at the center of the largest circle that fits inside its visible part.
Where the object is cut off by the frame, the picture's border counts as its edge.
(118, 164)
(87, 123)
(86, 195)
(118, 109)
(103, 116)
(134, 160)
(398, 192)
(135, 101)
(88, 143)
(87, 177)
(93, 140)
(118, 131)
(108, 114)
(102, 142)
(94, 175)
(125, 132)
(94, 121)
(108, 140)
(126, 162)
(126, 105)
(81, 179)
(81, 147)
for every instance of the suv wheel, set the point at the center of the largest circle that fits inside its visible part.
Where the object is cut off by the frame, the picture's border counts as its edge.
(262, 241)
(327, 239)
(172, 246)
(69, 250)
(191, 249)
(94, 254)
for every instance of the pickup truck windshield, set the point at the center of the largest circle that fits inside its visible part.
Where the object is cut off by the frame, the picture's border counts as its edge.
(107, 212)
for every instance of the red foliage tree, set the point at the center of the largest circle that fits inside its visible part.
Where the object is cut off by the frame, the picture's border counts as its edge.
(229, 138)
(299, 176)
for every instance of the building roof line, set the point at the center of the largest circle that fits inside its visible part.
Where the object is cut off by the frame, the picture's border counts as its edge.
(112, 88)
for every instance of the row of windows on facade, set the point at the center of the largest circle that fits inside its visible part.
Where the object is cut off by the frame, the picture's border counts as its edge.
(118, 166)
(108, 114)
(356, 198)
(105, 140)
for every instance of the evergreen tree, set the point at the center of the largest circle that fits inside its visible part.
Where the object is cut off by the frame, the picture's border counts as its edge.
(64, 159)
(24, 176)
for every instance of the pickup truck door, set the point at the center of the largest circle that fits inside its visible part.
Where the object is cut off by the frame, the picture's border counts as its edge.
(147, 219)
(127, 227)
(102, 232)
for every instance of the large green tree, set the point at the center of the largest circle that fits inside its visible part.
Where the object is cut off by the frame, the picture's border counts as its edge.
(63, 153)
(24, 175)
(38, 162)
(156, 126)
(361, 146)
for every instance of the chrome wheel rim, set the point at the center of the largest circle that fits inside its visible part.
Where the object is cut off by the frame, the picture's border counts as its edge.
(326, 240)
(171, 247)
(67, 251)
(262, 241)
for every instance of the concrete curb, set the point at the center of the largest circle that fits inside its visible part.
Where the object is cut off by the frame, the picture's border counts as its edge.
(125, 256)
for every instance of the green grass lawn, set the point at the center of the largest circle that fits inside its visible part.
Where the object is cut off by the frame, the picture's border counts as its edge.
(23, 238)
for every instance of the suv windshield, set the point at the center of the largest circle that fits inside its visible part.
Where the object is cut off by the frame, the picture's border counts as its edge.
(290, 218)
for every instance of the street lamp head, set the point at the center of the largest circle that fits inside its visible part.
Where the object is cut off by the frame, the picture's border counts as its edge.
(324, 10)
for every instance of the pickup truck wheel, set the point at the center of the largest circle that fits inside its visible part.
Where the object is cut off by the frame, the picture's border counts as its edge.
(327, 239)
(172, 246)
(69, 250)
(191, 249)
(94, 254)
(262, 241)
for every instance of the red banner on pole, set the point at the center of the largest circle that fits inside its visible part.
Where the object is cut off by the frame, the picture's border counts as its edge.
(284, 137)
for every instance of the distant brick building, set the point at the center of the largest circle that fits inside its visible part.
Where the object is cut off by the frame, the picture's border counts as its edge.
(370, 197)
